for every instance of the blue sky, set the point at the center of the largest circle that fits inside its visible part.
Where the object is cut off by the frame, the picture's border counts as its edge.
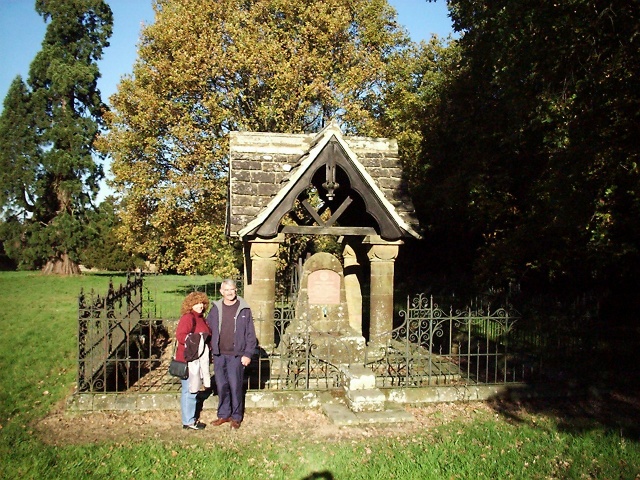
(22, 31)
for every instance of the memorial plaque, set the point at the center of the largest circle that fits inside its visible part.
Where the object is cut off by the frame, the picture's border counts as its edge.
(323, 288)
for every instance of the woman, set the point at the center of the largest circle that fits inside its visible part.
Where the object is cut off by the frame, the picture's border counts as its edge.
(193, 335)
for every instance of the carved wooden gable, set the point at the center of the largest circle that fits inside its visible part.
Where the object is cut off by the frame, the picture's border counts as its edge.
(316, 184)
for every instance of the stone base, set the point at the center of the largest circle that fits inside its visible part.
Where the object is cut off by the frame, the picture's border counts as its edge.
(360, 389)
(358, 377)
(340, 414)
(123, 401)
(372, 400)
(341, 348)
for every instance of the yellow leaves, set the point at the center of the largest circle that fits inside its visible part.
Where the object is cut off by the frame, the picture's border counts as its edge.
(266, 65)
(206, 251)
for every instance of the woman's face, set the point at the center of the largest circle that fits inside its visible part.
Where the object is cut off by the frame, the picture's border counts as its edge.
(198, 307)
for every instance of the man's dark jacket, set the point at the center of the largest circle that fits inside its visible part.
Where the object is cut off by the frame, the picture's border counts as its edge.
(245, 341)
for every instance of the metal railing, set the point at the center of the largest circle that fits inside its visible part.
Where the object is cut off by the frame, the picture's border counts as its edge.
(436, 347)
(117, 345)
(124, 344)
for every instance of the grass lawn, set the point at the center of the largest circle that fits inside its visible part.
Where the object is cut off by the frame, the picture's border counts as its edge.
(38, 330)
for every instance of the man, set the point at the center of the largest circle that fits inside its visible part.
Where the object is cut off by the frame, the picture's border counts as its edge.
(233, 342)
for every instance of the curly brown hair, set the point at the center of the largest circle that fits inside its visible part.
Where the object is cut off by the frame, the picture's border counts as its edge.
(193, 299)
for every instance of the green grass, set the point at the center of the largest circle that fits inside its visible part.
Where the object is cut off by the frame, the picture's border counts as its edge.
(37, 372)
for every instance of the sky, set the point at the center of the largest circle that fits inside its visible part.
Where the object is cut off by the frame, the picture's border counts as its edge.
(22, 31)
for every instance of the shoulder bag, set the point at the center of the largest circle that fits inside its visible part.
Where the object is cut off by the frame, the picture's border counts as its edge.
(176, 367)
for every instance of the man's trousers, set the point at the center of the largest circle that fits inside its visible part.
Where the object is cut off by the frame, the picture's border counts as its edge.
(229, 375)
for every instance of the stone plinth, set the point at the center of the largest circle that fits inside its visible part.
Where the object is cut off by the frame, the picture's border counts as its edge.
(322, 316)
(372, 400)
(358, 377)
(360, 389)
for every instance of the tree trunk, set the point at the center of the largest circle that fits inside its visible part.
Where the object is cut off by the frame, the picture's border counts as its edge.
(61, 266)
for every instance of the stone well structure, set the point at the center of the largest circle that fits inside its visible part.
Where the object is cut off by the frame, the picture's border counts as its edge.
(324, 184)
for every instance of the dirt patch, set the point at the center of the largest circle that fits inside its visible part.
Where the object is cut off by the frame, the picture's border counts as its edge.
(281, 424)
(617, 411)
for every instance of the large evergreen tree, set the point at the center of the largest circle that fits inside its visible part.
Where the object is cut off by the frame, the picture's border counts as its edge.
(19, 155)
(50, 174)
(260, 65)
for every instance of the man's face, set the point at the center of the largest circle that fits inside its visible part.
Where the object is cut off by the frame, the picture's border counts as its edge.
(228, 293)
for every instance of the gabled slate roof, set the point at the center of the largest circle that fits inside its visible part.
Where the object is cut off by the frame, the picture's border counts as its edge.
(266, 169)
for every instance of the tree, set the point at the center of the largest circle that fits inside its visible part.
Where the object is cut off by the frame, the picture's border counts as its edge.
(537, 156)
(417, 79)
(260, 65)
(19, 155)
(50, 173)
(103, 250)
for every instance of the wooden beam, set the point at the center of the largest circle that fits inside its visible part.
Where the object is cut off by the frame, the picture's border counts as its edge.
(313, 213)
(339, 211)
(314, 230)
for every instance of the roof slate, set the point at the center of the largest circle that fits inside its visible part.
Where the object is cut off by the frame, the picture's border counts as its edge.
(260, 164)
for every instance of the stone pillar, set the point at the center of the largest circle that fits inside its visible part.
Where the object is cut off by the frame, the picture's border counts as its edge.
(260, 286)
(382, 255)
(352, 288)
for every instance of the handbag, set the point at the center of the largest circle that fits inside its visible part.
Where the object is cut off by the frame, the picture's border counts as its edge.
(176, 367)
(179, 369)
(192, 347)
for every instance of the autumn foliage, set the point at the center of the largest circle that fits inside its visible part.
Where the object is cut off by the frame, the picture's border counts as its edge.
(264, 65)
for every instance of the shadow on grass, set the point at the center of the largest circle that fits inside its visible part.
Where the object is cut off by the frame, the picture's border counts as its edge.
(324, 475)
(615, 411)
(605, 394)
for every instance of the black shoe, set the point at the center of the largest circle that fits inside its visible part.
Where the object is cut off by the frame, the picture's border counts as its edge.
(195, 426)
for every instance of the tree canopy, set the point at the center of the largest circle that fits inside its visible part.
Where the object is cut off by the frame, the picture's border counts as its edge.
(49, 172)
(517, 138)
(532, 153)
(260, 65)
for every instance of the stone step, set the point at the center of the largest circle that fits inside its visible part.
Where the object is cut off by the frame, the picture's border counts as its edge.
(358, 377)
(340, 414)
(369, 400)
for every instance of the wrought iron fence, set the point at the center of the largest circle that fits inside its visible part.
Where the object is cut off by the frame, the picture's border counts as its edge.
(431, 346)
(125, 336)
(125, 344)
(117, 345)
(436, 347)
